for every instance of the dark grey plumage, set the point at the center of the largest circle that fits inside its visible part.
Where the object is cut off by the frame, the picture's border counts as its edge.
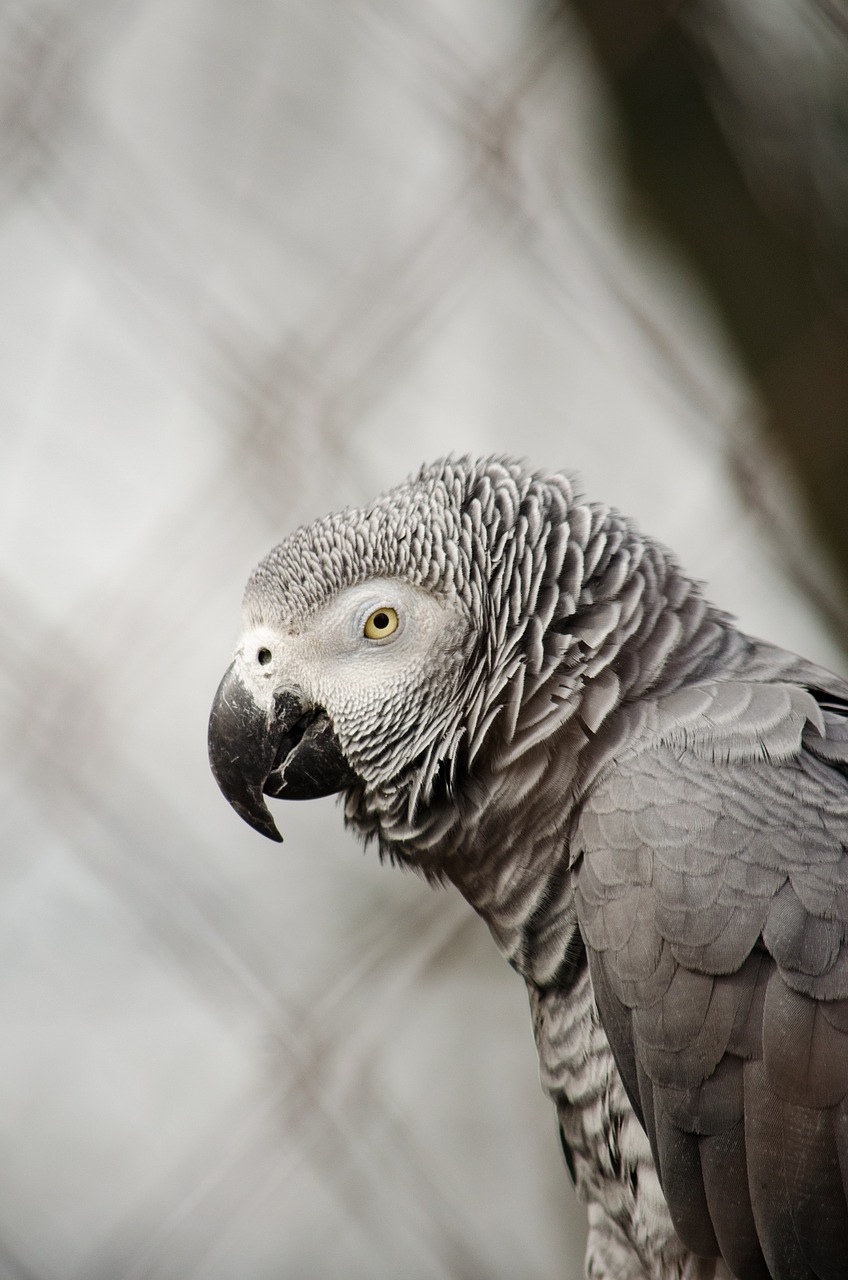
(649, 808)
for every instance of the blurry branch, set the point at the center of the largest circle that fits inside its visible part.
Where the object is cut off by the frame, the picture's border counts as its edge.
(734, 130)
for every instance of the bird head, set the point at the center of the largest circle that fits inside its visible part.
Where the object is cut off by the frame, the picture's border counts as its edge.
(388, 651)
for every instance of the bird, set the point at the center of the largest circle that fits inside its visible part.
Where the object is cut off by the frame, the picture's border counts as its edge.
(518, 693)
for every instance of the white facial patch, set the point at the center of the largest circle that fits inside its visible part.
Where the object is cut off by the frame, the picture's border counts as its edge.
(370, 687)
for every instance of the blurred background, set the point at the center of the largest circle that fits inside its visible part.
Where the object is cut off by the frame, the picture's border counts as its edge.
(260, 260)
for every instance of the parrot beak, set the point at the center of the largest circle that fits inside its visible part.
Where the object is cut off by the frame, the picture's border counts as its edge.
(283, 750)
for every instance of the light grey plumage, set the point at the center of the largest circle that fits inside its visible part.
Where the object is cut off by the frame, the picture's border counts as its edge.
(648, 808)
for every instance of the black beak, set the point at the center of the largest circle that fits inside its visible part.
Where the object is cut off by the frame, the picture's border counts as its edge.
(284, 750)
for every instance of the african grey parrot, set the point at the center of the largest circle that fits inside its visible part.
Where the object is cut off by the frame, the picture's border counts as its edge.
(521, 694)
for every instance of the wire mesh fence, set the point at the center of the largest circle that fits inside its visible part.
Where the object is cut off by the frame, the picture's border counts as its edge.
(260, 261)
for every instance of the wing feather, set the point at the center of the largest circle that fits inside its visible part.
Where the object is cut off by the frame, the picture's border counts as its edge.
(724, 1166)
(711, 882)
(770, 1199)
(814, 1187)
(682, 1182)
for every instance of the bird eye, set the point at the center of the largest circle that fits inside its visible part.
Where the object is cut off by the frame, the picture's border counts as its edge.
(381, 623)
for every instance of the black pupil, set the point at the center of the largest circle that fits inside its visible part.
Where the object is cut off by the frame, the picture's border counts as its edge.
(381, 621)
(264, 656)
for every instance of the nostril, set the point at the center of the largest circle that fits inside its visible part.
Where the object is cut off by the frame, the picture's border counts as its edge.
(263, 656)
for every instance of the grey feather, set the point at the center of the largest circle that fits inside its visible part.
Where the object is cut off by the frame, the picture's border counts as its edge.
(735, 1227)
(650, 811)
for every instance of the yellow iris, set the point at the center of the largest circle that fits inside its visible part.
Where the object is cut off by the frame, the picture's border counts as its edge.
(381, 623)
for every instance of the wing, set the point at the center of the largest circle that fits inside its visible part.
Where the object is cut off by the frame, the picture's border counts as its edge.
(711, 874)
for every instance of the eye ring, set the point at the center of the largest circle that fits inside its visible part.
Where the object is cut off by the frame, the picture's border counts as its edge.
(381, 624)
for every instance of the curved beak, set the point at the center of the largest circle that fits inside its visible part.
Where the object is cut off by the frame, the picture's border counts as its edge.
(284, 749)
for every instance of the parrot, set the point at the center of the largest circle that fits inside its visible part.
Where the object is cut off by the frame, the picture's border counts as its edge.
(517, 693)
